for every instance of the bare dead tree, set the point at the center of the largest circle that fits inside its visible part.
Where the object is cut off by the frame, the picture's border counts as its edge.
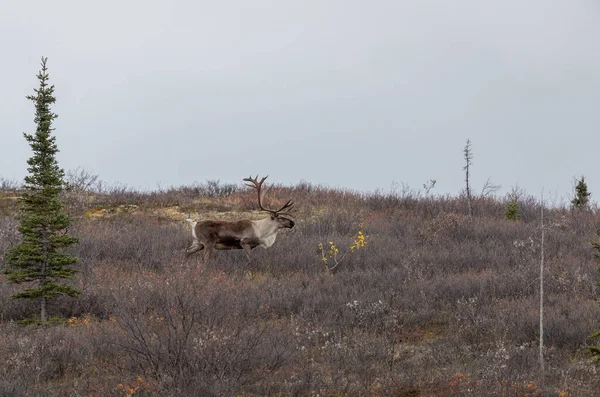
(468, 161)
(489, 188)
(427, 186)
(542, 294)
(81, 179)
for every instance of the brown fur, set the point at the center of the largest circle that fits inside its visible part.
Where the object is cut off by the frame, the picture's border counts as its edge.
(244, 234)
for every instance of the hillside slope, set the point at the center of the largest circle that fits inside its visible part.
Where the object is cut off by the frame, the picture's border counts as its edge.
(434, 304)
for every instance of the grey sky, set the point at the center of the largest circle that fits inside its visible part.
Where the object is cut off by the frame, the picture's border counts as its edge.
(354, 94)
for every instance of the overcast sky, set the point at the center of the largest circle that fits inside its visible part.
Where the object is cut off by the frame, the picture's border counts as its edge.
(352, 94)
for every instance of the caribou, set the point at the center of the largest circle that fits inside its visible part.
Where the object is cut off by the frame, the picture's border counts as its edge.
(244, 234)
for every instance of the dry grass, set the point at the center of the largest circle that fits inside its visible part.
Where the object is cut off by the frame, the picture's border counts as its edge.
(433, 305)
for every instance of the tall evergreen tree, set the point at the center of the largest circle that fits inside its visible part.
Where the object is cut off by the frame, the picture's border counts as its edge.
(582, 196)
(38, 260)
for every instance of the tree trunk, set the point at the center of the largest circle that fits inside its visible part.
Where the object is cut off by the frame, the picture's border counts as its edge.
(43, 278)
(541, 354)
(43, 313)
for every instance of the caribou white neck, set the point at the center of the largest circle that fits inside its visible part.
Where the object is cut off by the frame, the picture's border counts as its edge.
(268, 241)
(266, 231)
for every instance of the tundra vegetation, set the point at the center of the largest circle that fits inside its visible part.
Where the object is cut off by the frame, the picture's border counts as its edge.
(429, 302)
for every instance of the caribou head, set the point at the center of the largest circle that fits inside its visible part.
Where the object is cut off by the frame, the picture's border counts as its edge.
(243, 234)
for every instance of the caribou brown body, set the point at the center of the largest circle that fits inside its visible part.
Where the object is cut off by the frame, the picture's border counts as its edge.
(243, 234)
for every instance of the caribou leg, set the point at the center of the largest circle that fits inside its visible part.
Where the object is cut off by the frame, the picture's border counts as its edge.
(208, 249)
(195, 247)
(247, 250)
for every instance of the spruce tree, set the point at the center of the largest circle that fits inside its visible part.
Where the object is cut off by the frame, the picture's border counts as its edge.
(512, 212)
(39, 260)
(582, 196)
(512, 209)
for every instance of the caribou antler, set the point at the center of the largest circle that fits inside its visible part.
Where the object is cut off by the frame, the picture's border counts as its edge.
(287, 207)
(254, 183)
(257, 185)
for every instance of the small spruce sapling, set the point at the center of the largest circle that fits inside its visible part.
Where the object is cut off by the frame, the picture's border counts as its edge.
(582, 196)
(512, 207)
